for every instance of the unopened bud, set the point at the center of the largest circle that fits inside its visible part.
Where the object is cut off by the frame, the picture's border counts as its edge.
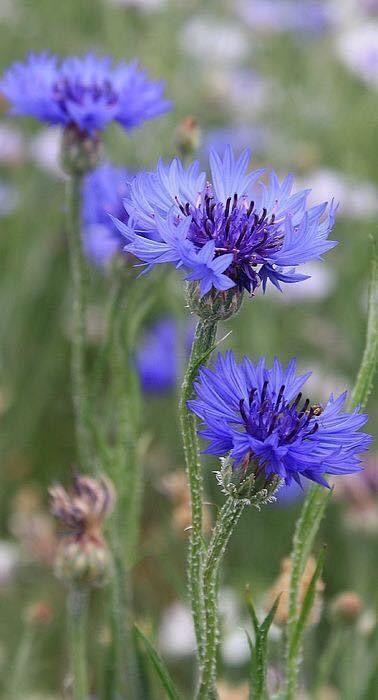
(245, 485)
(347, 607)
(83, 556)
(80, 151)
(188, 136)
(215, 305)
(84, 562)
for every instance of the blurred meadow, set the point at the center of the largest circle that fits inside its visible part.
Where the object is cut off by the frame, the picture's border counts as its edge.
(292, 93)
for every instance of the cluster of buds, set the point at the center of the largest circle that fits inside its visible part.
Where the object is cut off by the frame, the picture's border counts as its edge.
(80, 151)
(281, 587)
(246, 484)
(215, 305)
(83, 556)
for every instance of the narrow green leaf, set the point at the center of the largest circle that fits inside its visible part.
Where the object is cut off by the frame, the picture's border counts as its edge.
(365, 377)
(159, 666)
(204, 357)
(259, 652)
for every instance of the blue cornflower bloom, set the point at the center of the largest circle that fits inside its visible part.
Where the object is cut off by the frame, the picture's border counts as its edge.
(86, 92)
(259, 417)
(234, 231)
(162, 354)
(103, 193)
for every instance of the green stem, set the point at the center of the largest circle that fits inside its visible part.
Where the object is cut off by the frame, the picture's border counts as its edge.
(223, 529)
(77, 610)
(20, 667)
(203, 341)
(79, 389)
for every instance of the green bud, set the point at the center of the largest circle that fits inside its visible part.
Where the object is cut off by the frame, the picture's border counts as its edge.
(215, 305)
(246, 485)
(84, 562)
(80, 151)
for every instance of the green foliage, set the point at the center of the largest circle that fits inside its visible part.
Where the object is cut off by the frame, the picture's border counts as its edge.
(159, 666)
(259, 649)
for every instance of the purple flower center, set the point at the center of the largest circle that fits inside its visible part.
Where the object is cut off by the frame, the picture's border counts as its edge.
(267, 413)
(236, 228)
(75, 91)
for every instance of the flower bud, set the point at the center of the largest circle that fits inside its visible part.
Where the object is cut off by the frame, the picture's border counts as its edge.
(246, 485)
(80, 151)
(188, 137)
(347, 607)
(84, 562)
(215, 305)
(83, 556)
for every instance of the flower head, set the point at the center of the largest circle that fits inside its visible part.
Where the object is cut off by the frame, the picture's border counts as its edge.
(103, 193)
(231, 231)
(86, 92)
(261, 418)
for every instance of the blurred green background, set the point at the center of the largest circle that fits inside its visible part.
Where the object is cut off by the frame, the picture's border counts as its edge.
(288, 97)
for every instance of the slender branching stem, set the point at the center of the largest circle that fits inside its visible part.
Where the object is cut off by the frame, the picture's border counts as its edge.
(77, 611)
(226, 522)
(203, 341)
(78, 378)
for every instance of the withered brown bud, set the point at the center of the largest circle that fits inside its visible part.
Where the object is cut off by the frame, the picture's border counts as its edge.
(83, 555)
(188, 136)
(347, 607)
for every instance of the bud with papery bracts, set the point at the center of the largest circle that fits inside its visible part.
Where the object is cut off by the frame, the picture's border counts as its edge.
(188, 136)
(246, 484)
(80, 151)
(215, 305)
(83, 556)
(347, 607)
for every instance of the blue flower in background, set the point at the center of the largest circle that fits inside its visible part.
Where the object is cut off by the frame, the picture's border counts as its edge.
(103, 193)
(88, 92)
(162, 354)
(235, 230)
(260, 417)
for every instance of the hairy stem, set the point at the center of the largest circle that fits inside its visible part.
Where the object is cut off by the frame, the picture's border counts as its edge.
(203, 341)
(223, 529)
(77, 610)
(79, 389)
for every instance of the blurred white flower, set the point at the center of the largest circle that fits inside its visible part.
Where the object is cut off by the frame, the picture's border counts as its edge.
(143, 5)
(9, 558)
(244, 91)
(219, 43)
(356, 199)
(234, 648)
(9, 11)
(12, 147)
(44, 150)
(176, 631)
(322, 384)
(319, 286)
(229, 607)
(357, 48)
(9, 199)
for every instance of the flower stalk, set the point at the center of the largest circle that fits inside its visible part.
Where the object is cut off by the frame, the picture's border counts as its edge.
(79, 388)
(227, 520)
(77, 611)
(203, 342)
